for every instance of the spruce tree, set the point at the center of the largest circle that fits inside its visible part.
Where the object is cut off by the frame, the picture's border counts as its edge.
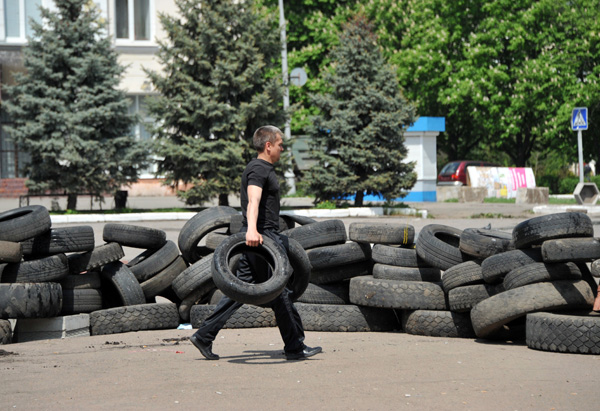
(68, 113)
(220, 82)
(358, 139)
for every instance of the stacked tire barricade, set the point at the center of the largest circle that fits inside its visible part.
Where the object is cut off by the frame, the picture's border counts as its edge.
(48, 272)
(533, 283)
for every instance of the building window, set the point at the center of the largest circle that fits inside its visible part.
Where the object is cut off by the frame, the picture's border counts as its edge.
(16, 18)
(133, 20)
(12, 161)
(137, 105)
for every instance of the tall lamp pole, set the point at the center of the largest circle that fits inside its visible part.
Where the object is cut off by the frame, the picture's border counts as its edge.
(289, 173)
(284, 69)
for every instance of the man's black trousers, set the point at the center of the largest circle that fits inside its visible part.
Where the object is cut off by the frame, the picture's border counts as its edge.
(286, 315)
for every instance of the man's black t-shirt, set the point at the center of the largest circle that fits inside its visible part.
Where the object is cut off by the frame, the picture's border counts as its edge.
(262, 174)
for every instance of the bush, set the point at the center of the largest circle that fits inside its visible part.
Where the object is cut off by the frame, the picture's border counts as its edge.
(567, 185)
(550, 181)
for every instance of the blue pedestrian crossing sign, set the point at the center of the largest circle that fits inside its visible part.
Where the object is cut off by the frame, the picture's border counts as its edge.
(579, 119)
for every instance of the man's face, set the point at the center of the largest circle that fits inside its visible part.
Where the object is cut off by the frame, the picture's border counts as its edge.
(276, 149)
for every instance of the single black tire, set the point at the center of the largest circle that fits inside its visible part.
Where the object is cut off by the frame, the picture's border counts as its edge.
(491, 314)
(30, 300)
(134, 318)
(462, 274)
(10, 252)
(236, 225)
(391, 272)
(301, 267)
(124, 282)
(571, 249)
(53, 268)
(153, 261)
(5, 332)
(382, 233)
(398, 256)
(438, 245)
(322, 233)
(562, 332)
(194, 230)
(550, 227)
(405, 295)
(197, 275)
(586, 276)
(95, 259)
(336, 294)
(595, 268)
(346, 318)
(494, 268)
(214, 239)
(247, 316)
(81, 300)
(286, 222)
(482, 243)
(134, 236)
(463, 299)
(431, 323)
(338, 273)
(541, 272)
(25, 222)
(163, 280)
(198, 296)
(60, 240)
(299, 219)
(250, 293)
(87, 280)
(335, 255)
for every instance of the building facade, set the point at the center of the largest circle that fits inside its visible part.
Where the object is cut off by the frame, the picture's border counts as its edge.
(133, 26)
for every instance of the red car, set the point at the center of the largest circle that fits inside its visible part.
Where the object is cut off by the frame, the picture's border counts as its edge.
(455, 172)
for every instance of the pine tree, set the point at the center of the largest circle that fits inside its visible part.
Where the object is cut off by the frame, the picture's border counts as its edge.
(219, 83)
(68, 113)
(358, 139)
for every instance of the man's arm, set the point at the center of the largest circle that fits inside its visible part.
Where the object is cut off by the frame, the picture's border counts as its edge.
(253, 237)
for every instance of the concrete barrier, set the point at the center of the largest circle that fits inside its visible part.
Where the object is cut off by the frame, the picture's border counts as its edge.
(472, 194)
(537, 195)
(444, 193)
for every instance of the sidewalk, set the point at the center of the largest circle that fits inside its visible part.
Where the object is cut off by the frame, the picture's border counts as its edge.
(293, 205)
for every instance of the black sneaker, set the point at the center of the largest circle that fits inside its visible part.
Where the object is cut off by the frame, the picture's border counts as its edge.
(305, 353)
(205, 350)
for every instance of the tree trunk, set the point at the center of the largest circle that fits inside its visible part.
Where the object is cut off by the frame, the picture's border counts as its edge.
(358, 201)
(223, 200)
(71, 201)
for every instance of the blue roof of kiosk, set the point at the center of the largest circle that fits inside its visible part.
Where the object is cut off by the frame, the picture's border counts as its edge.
(429, 124)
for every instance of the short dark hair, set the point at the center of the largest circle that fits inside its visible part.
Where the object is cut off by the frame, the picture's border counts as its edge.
(264, 134)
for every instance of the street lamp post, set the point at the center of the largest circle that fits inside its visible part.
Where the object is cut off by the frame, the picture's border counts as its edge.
(289, 173)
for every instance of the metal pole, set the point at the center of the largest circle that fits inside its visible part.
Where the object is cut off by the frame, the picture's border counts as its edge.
(289, 173)
(284, 69)
(580, 149)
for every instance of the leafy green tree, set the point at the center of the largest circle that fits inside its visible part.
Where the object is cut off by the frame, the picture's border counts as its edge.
(505, 74)
(220, 82)
(68, 113)
(312, 29)
(358, 139)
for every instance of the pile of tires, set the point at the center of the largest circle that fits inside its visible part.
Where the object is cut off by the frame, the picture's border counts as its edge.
(472, 283)
(48, 272)
(533, 283)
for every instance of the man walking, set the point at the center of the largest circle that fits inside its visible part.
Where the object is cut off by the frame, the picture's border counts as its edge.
(259, 197)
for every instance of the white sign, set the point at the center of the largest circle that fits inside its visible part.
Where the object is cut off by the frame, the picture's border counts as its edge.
(501, 182)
